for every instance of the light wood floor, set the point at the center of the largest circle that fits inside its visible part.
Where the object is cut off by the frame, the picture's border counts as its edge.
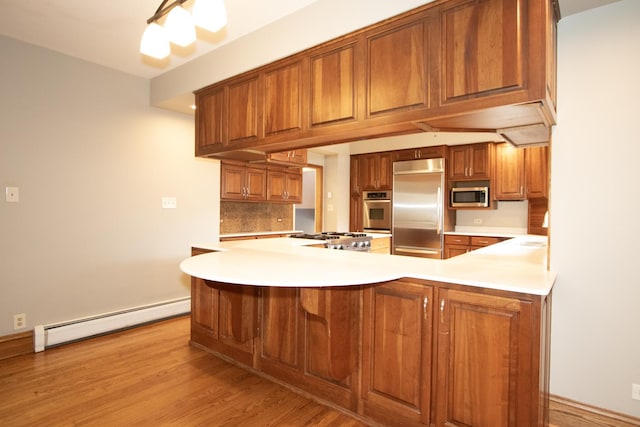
(151, 376)
(147, 376)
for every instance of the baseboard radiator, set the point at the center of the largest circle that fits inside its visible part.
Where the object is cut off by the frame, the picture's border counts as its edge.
(46, 336)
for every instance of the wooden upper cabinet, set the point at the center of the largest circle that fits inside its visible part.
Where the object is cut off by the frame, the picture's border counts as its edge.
(482, 48)
(210, 120)
(292, 157)
(376, 171)
(433, 152)
(537, 172)
(242, 182)
(486, 361)
(521, 173)
(284, 185)
(283, 99)
(471, 161)
(450, 65)
(509, 180)
(333, 85)
(244, 123)
(397, 67)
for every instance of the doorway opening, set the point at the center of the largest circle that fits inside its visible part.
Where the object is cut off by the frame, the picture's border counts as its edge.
(308, 214)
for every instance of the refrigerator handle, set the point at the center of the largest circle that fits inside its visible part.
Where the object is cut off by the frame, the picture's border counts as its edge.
(439, 213)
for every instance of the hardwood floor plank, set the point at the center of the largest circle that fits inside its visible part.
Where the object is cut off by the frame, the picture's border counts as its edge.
(149, 375)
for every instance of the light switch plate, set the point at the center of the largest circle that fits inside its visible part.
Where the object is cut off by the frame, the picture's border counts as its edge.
(169, 203)
(12, 194)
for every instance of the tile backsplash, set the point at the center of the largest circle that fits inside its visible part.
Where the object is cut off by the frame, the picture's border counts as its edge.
(245, 217)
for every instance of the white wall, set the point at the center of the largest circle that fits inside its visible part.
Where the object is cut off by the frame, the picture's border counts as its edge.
(595, 349)
(92, 161)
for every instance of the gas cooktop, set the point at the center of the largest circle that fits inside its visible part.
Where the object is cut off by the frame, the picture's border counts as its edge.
(327, 235)
(344, 241)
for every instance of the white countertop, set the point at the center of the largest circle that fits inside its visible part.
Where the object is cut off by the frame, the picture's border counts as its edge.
(517, 265)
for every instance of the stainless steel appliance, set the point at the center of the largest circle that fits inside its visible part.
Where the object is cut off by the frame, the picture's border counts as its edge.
(342, 241)
(418, 204)
(469, 197)
(376, 212)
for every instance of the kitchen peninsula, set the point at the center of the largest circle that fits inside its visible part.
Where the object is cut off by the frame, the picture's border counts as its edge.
(390, 339)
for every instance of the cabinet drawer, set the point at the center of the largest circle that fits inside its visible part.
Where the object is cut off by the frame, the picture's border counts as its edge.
(381, 244)
(452, 239)
(484, 241)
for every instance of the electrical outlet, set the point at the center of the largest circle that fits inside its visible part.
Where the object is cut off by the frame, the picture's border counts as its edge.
(169, 203)
(19, 321)
(477, 221)
(12, 194)
(635, 391)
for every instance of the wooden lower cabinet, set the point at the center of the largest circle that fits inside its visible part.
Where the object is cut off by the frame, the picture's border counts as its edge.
(489, 353)
(396, 347)
(406, 352)
(456, 244)
(224, 318)
(310, 338)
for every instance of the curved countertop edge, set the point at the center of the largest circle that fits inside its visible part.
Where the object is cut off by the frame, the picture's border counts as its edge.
(516, 265)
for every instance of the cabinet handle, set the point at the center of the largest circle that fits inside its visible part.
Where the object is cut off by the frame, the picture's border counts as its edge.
(442, 310)
(425, 302)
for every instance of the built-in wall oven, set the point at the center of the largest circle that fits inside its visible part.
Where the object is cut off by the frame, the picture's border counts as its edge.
(376, 212)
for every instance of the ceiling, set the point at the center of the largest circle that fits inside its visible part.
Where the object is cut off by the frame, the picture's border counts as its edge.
(108, 32)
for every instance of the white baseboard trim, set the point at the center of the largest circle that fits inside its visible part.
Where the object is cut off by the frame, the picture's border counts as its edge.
(46, 336)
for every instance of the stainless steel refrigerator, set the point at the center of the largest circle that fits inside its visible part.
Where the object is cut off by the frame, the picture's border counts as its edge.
(418, 204)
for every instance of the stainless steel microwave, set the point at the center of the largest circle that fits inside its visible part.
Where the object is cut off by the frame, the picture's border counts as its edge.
(470, 197)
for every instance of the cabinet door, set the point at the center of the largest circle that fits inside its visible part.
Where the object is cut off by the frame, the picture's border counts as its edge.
(368, 167)
(256, 183)
(232, 181)
(454, 250)
(280, 328)
(482, 48)
(331, 339)
(481, 161)
(377, 171)
(385, 171)
(459, 163)
(355, 220)
(210, 120)
(396, 374)
(333, 85)
(485, 361)
(397, 68)
(294, 186)
(244, 111)
(509, 182)
(276, 185)
(204, 311)
(470, 162)
(238, 320)
(537, 172)
(283, 100)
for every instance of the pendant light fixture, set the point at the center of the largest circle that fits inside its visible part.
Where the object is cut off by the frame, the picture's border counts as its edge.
(179, 27)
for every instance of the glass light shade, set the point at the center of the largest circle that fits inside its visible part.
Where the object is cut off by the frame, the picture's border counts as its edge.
(210, 15)
(179, 27)
(154, 42)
